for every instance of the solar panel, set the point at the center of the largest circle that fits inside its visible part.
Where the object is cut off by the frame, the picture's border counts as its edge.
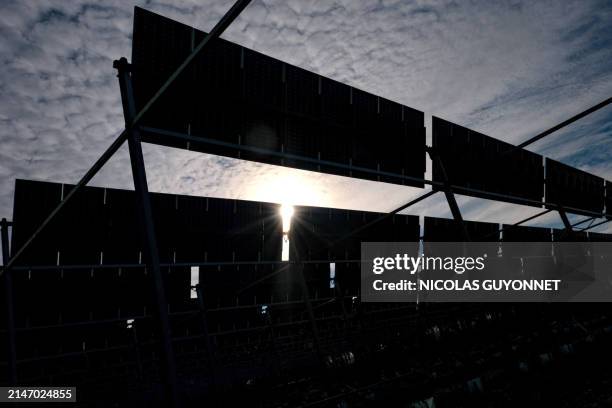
(476, 161)
(599, 237)
(101, 227)
(236, 95)
(89, 343)
(447, 230)
(521, 233)
(316, 228)
(571, 187)
(562, 235)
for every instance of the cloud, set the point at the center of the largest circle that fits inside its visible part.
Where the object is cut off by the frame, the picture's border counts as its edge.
(508, 69)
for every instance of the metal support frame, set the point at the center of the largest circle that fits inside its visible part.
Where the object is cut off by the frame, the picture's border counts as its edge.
(448, 192)
(274, 355)
(210, 351)
(588, 219)
(8, 298)
(143, 200)
(169, 134)
(596, 225)
(516, 224)
(296, 268)
(137, 354)
(566, 223)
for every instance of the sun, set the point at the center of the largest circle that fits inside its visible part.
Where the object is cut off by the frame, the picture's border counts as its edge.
(287, 188)
(286, 212)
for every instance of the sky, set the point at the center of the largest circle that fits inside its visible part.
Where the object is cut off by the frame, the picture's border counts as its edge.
(509, 69)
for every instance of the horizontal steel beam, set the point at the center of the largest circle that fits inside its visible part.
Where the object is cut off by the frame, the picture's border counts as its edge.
(437, 184)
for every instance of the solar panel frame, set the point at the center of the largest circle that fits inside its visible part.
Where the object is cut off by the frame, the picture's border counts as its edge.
(476, 161)
(571, 187)
(272, 105)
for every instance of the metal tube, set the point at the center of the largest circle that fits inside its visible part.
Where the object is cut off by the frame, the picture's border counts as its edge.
(456, 189)
(168, 371)
(448, 193)
(566, 223)
(10, 316)
(596, 225)
(210, 352)
(564, 123)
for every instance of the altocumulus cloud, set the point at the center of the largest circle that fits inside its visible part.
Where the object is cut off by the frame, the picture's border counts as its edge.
(508, 69)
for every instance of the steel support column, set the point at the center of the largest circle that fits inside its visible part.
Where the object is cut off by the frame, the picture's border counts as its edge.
(448, 192)
(566, 223)
(298, 269)
(210, 352)
(8, 298)
(168, 370)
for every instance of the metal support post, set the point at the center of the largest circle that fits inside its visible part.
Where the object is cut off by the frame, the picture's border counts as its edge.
(340, 299)
(566, 223)
(274, 356)
(298, 269)
(137, 354)
(168, 370)
(210, 352)
(448, 192)
(8, 297)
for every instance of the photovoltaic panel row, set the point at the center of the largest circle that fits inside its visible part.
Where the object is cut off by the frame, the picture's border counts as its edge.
(574, 188)
(101, 227)
(600, 237)
(236, 95)
(474, 160)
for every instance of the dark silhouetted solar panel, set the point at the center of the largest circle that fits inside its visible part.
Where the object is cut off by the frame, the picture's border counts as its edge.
(570, 187)
(477, 161)
(236, 95)
(102, 227)
(447, 230)
(562, 235)
(314, 229)
(521, 233)
(599, 237)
